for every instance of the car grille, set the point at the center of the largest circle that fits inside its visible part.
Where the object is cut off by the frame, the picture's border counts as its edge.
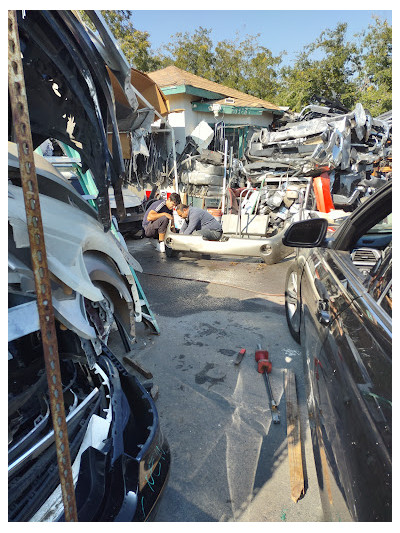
(32, 485)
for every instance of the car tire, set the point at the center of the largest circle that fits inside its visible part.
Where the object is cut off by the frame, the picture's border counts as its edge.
(292, 302)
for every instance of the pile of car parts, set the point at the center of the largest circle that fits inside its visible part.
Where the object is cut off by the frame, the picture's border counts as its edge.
(348, 146)
(324, 161)
(349, 142)
(119, 457)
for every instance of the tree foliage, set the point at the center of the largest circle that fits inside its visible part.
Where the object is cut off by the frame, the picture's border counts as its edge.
(352, 70)
(325, 67)
(247, 66)
(375, 76)
(244, 64)
(193, 53)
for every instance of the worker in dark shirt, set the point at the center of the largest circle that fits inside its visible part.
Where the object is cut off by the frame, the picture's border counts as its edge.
(199, 222)
(157, 217)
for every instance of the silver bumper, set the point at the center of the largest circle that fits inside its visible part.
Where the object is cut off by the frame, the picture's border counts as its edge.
(270, 250)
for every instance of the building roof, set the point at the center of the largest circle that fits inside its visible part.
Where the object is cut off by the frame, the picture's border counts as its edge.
(174, 76)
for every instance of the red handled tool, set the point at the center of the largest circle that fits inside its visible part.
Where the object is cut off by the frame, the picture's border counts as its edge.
(240, 356)
(264, 366)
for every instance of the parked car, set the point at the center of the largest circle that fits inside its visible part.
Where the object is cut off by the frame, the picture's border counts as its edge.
(338, 302)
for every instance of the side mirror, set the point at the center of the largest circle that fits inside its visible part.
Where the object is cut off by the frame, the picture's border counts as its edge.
(306, 233)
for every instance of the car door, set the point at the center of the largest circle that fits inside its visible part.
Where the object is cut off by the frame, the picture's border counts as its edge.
(352, 387)
(326, 294)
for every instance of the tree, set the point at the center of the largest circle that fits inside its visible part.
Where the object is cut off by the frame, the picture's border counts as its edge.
(375, 74)
(135, 44)
(244, 65)
(351, 71)
(193, 53)
(247, 66)
(326, 67)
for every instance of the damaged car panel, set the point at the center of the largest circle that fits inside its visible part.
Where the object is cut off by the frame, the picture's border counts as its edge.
(117, 448)
(67, 244)
(56, 50)
(120, 458)
(70, 93)
(92, 290)
(268, 250)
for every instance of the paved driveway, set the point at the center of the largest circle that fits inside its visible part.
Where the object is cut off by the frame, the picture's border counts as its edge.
(229, 462)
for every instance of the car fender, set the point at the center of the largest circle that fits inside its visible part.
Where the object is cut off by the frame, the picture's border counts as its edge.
(69, 234)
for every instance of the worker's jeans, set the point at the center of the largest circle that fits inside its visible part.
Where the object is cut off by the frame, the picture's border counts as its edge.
(209, 234)
(152, 229)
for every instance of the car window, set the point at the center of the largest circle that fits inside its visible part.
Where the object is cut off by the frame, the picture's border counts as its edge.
(380, 283)
(369, 250)
(369, 226)
(384, 226)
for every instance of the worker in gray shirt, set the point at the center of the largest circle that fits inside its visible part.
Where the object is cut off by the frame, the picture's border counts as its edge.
(199, 222)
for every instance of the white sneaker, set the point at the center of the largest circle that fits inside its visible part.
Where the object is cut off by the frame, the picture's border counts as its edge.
(161, 247)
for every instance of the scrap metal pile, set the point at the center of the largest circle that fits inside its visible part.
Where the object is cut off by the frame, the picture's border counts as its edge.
(59, 348)
(320, 140)
(351, 150)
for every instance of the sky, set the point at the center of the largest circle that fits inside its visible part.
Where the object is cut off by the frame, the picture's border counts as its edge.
(282, 30)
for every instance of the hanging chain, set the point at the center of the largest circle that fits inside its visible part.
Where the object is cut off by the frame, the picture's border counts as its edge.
(19, 106)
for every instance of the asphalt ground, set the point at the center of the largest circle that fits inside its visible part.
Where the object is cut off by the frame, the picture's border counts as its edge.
(229, 461)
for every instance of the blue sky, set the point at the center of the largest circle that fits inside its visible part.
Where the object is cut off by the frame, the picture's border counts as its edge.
(280, 30)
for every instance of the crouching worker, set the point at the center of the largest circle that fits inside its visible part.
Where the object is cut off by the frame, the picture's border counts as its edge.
(157, 217)
(199, 222)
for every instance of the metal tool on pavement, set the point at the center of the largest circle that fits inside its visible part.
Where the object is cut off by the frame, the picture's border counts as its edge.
(240, 356)
(264, 366)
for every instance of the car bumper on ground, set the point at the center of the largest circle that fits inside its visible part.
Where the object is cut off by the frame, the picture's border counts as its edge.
(270, 250)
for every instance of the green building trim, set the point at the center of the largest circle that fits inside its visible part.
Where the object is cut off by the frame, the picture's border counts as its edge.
(189, 89)
(229, 110)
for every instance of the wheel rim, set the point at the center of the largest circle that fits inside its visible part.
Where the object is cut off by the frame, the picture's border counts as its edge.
(291, 298)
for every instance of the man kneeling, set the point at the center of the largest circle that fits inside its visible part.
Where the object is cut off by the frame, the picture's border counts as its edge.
(199, 222)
